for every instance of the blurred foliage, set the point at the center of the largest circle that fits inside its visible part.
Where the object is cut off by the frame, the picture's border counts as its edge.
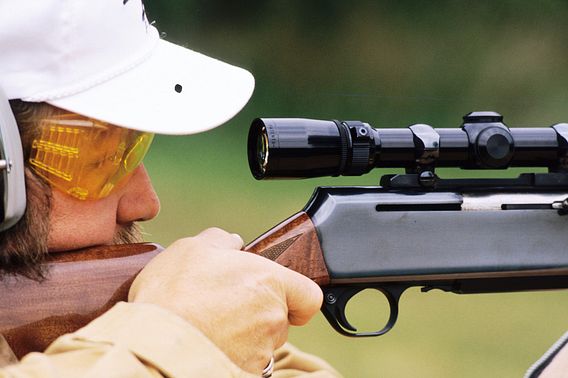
(390, 63)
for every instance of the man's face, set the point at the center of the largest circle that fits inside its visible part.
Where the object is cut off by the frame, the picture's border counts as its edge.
(55, 221)
(77, 224)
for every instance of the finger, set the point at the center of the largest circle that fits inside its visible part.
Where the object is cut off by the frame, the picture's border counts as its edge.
(303, 296)
(281, 339)
(221, 238)
(261, 361)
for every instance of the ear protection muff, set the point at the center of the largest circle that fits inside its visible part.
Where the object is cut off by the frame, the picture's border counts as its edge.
(12, 185)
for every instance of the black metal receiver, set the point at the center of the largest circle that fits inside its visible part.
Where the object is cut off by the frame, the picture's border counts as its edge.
(416, 229)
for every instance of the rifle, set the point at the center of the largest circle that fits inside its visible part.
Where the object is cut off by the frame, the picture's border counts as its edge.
(463, 236)
(347, 239)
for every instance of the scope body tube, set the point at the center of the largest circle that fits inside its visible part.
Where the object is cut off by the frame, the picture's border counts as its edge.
(302, 148)
(534, 147)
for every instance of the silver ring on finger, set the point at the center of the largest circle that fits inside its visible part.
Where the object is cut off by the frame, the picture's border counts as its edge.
(269, 369)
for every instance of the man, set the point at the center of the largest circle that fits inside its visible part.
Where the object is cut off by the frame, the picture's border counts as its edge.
(89, 83)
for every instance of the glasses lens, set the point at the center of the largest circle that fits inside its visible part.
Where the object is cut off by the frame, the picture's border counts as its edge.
(86, 158)
(137, 152)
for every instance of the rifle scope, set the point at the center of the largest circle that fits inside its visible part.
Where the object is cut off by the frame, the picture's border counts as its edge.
(302, 148)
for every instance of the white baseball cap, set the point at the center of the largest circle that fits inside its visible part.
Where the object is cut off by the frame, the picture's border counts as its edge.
(103, 59)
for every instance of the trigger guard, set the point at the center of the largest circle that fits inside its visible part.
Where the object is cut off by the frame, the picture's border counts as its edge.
(393, 304)
(335, 302)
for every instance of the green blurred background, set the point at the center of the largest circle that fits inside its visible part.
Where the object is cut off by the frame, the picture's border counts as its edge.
(390, 63)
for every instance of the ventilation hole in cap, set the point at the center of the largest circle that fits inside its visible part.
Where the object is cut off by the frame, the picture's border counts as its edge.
(178, 88)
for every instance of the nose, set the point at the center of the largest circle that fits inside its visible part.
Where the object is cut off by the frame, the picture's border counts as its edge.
(138, 199)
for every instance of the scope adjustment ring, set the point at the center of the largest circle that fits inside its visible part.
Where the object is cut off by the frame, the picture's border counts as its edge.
(495, 147)
(483, 117)
(490, 141)
(362, 148)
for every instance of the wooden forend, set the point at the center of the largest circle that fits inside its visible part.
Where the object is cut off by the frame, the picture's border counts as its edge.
(294, 244)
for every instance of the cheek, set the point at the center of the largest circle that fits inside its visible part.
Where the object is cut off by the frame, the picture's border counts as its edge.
(77, 224)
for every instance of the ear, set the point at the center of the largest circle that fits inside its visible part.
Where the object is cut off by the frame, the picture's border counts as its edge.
(12, 184)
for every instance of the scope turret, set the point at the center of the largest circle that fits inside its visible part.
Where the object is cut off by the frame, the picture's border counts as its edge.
(302, 148)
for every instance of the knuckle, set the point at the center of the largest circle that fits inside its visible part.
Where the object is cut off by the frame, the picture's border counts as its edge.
(238, 237)
(278, 325)
(214, 231)
(183, 242)
(186, 246)
(218, 237)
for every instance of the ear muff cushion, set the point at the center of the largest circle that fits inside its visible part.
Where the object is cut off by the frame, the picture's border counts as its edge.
(12, 182)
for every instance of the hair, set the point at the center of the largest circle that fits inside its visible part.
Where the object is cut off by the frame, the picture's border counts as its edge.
(23, 248)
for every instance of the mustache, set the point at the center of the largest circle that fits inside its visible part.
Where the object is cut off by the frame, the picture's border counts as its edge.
(128, 234)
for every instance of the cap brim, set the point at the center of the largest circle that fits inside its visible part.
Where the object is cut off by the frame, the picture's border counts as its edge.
(174, 91)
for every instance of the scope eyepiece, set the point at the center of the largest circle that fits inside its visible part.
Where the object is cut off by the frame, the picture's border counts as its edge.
(303, 148)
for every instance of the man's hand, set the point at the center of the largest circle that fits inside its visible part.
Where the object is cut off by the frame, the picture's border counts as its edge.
(244, 303)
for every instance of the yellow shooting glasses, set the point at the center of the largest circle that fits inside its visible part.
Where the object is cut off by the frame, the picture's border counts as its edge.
(84, 157)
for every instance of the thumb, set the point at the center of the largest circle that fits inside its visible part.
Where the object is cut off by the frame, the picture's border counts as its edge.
(303, 296)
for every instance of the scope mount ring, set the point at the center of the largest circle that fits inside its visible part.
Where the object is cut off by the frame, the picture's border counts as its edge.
(427, 141)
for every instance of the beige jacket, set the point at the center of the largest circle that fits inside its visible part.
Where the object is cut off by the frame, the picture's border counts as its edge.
(143, 340)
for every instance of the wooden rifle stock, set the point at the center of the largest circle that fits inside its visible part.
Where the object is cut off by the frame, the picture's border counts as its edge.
(80, 286)
(294, 244)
